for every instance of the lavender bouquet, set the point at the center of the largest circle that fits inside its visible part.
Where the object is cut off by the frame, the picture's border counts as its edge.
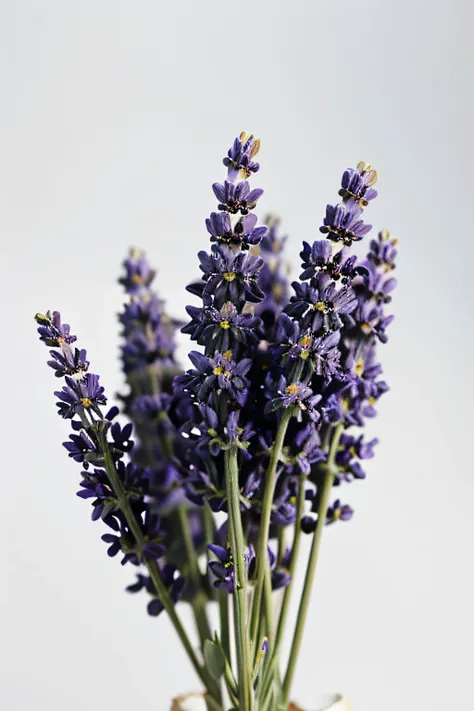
(233, 461)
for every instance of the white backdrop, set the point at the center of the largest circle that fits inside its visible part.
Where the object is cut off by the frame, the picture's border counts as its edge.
(114, 119)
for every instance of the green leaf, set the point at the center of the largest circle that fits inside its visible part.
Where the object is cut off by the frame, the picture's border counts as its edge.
(215, 660)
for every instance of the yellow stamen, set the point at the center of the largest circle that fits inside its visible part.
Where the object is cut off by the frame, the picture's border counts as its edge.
(227, 355)
(359, 369)
(225, 325)
(218, 370)
(291, 389)
(374, 176)
(305, 341)
(255, 148)
(86, 401)
(229, 276)
(319, 306)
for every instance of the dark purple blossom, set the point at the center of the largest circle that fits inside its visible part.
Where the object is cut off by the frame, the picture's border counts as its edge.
(356, 184)
(383, 251)
(304, 354)
(297, 395)
(307, 446)
(318, 306)
(243, 233)
(82, 395)
(339, 512)
(222, 569)
(173, 582)
(343, 224)
(69, 362)
(229, 277)
(138, 273)
(351, 451)
(52, 332)
(216, 374)
(239, 159)
(236, 198)
(318, 257)
(221, 329)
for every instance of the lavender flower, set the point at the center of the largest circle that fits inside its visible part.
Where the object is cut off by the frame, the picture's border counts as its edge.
(96, 440)
(356, 184)
(318, 257)
(80, 396)
(339, 512)
(243, 233)
(236, 198)
(342, 223)
(229, 277)
(319, 305)
(217, 374)
(69, 362)
(240, 155)
(259, 430)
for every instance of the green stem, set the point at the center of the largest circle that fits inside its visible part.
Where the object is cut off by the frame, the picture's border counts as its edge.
(268, 599)
(212, 704)
(153, 569)
(262, 552)
(240, 591)
(289, 589)
(199, 596)
(224, 623)
(329, 470)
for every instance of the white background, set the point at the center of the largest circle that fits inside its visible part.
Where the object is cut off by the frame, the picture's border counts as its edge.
(114, 119)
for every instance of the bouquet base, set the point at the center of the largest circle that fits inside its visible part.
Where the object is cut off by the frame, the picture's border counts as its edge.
(195, 702)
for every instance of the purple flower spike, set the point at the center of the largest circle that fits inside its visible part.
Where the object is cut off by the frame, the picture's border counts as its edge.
(98, 443)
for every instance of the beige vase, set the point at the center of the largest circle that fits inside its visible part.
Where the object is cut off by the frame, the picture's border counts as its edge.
(195, 702)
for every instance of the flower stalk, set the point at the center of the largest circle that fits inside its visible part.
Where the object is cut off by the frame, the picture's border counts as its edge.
(240, 593)
(330, 472)
(263, 566)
